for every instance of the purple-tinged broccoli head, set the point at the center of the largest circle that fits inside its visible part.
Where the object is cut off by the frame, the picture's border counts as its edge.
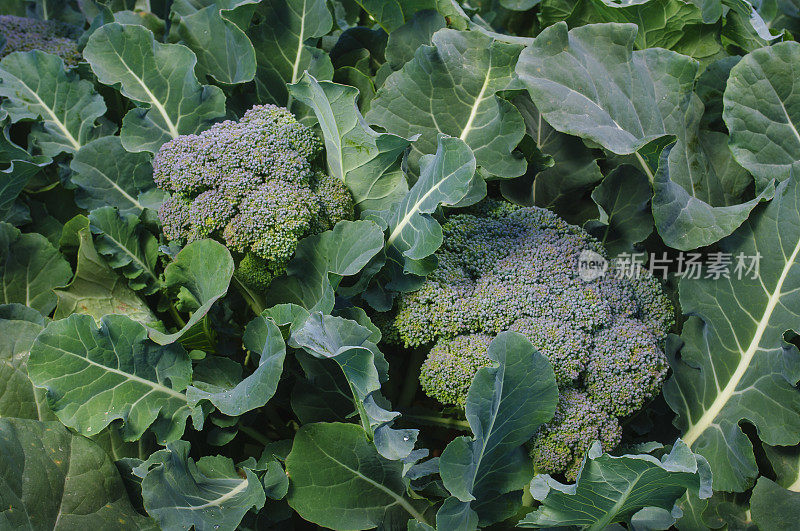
(51, 36)
(503, 267)
(252, 185)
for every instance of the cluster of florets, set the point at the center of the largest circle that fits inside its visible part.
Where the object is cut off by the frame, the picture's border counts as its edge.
(508, 268)
(252, 185)
(52, 36)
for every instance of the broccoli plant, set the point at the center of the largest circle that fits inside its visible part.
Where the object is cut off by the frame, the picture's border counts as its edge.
(253, 185)
(52, 36)
(503, 267)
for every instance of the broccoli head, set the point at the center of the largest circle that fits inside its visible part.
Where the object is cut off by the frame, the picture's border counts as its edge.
(503, 267)
(51, 36)
(252, 185)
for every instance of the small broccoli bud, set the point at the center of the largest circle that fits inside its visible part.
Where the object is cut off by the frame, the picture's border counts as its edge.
(51, 36)
(452, 363)
(560, 445)
(250, 184)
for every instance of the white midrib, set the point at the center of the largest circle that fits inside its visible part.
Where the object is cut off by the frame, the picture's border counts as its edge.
(300, 39)
(612, 512)
(123, 192)
(795, 487)
(398, 498)
(407, 218)
(61, 125)
(214, 503)
(129, 376)
(719, 403)
(173, 131)
(474, 112)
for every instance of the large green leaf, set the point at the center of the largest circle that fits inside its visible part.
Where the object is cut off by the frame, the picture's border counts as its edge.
(365, 160)
(625, 219)
(37, 86)
(95, 376)
(281, 50)
(201, 274)
(53, 479)
(262, 337)
(562, 170)
(337, 479)
(108, 175)
(505, 407)
(762, 112)
(128, 247)
(321, 261)
(640, 98)
(19, 326)
(208, 494)
(19, 167)
(30, 267)
(735, 364)
(451, 88)
(672, 24)
(214, 32)
(403, 42)
(648, 99)
(96, 290)
(612, 490)
(773, 507)
(445, 179)
(160, 77)
(352, 347)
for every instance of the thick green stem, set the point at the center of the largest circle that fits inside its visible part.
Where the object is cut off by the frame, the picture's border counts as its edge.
(253, 299)
(173, 311)
(441, 422)
(255, 435)
(411, 382)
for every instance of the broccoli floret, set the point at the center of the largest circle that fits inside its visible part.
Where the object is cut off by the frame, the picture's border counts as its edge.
(454, 361)
(51, 36)
(250, 184)
(510, 268)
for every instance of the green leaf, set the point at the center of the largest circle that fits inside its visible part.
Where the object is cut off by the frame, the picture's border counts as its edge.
(262, 337)
(774, 507)
(96, 290)
(562, 168)
(761, 113)
(451, 88)
(625, 219)
(53, 479)
(13, 180)
(208, 494)
(214, 32)
(337, 479)
(349, 344)
(612, 489)
(160, 77)
(445, 179)
(642, 94)
(387, 13)
(505, 407)
(128, 247)
(321, 261)
(672, 24)
(95, 376)
(30, 267)
(735, 364)
(365, 160)
(19, 326)
(108, 175)
(281, 50)
(201, 273)
(404, 41)
(37, 86)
